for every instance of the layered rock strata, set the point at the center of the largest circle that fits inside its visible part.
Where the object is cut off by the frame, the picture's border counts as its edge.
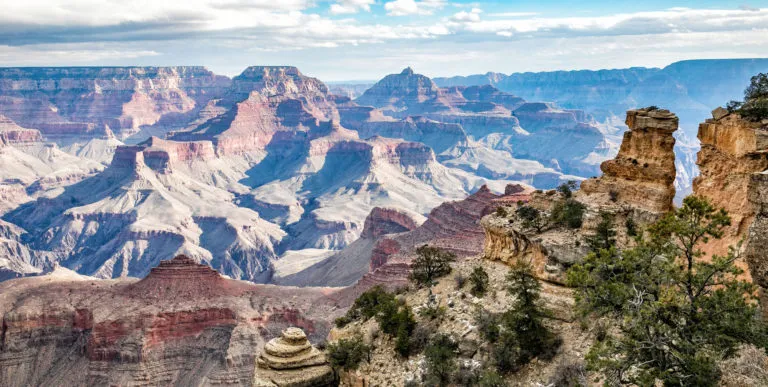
(93, 101)
(291, 361)
(642, 175)
(182, 325)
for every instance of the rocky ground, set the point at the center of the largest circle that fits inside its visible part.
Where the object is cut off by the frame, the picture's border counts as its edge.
(387, 369)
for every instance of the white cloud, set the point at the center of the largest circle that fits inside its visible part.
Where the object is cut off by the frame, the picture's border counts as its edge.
(68, 54)
(472, 16)
(413, 7)
(351, 6)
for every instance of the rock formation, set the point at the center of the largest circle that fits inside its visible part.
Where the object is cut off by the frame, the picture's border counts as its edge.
(183, 324)
(643, 173)
(733, 160)
(291, 361)
(732, 151)
(637, 185)
(92, 101)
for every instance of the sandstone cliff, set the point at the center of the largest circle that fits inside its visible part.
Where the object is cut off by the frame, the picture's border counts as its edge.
(732, 150)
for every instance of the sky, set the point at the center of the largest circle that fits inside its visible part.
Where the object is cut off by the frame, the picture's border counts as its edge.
(363, 40)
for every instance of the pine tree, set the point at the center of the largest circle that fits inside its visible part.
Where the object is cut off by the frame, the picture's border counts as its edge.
(677, 311)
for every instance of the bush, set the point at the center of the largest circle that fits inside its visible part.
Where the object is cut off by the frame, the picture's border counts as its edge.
(460, 279)
(605, 235)
(347, 354)
(431, 263)
(369, 304)
(432, 312)
(566, 189)
(420, 338)
(491, 378)
(569, 373)
(755, 104)
(478, 280)
(531, 218)
(487, 325)
(440, 356)
(631, 226)
(501, 212)
(466, 376)
(568, 213)
(342, 321)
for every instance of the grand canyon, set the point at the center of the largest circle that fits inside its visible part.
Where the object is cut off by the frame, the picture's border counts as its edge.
(342, 193)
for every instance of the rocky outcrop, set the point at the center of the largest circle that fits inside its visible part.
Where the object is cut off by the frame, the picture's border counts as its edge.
(291, 361)
(383, 221)
(733, 160)
(184, 324)
(732, 151)
(93, 101)
(11, 133)
(637, 185)
(643, 173)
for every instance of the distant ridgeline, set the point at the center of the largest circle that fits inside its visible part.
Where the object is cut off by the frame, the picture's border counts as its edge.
(690, 88)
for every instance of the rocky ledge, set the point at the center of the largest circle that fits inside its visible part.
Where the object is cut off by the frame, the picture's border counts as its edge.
(291, 361)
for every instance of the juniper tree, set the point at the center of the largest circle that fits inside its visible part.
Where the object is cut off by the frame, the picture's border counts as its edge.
(431, 263)
(678, 312)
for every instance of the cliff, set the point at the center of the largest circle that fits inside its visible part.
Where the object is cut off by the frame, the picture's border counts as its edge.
(733, 160)
(183, 324)
(97, 101)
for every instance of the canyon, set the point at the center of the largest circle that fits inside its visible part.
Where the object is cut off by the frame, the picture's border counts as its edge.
(180, 226)
(109, 171)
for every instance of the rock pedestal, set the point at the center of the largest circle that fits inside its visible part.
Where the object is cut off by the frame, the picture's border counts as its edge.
(291, 361)
(643, 173)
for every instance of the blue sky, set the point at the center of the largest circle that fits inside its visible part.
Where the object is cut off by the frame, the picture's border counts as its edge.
(339, 40)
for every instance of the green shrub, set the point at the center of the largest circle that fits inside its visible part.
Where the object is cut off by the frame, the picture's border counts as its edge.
(478, 280)
(566, 189)
(460, 279)
(440, 356)
(488, 325)
(370, 303)
(755, 104)
(347, 354)
(568, 213)
(631, 226)
(431, 263)
(531, 218)
(491, 378)
(605, 235)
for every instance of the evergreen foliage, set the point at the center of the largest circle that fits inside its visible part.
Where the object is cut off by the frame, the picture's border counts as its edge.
(677, 311)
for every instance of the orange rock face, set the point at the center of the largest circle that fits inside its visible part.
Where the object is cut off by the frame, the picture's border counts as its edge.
(643, 173)
(732, 150)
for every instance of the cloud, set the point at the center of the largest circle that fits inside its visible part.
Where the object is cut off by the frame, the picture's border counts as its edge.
(472, 16)
(413, 7)
(351, 6)
(91, 31)
(66, 54)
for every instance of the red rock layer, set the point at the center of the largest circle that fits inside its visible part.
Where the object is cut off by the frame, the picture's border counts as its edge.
(454, 226)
